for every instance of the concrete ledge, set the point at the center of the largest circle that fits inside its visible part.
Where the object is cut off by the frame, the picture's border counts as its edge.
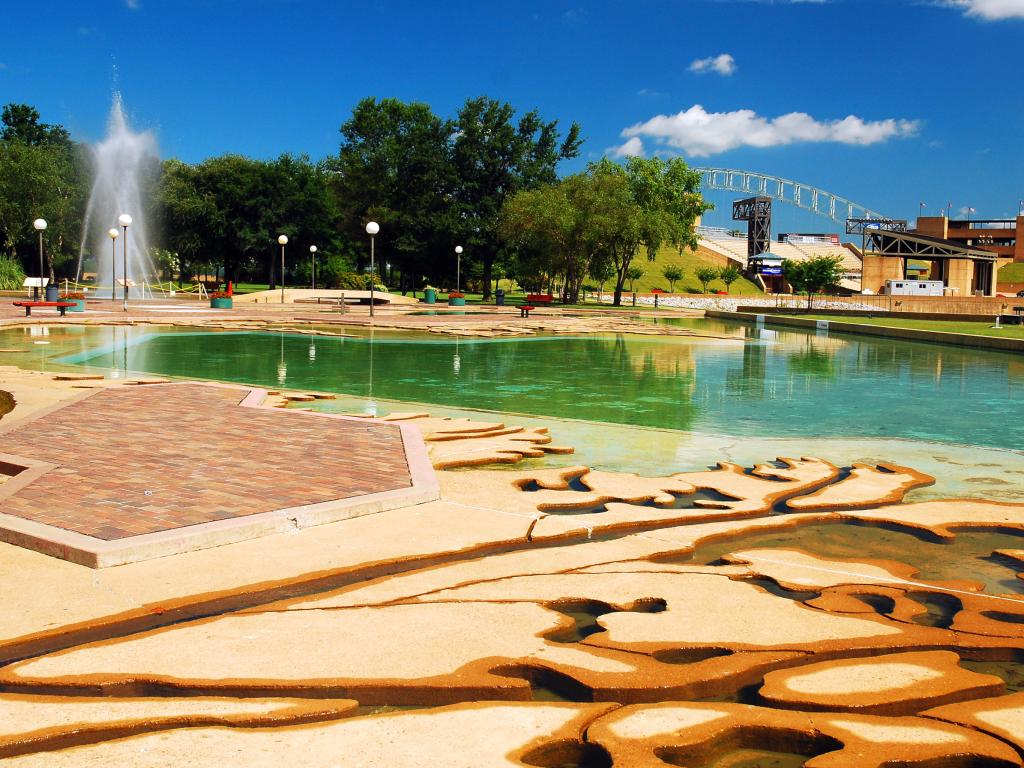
(863, 329)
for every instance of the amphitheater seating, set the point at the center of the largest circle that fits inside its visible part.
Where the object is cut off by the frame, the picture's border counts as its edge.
(735, 248)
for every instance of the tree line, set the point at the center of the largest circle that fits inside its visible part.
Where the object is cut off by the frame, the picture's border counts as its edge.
(486, 178)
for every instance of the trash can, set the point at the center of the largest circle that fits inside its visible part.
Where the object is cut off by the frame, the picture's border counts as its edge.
(430, 295)
(499, 297)
(52, 291)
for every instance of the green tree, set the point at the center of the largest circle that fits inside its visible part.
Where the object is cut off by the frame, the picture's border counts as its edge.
(394, 167)
(495, 156)
(557, 222)
(42, 175)
(602, 271)
(729, 275)
(21, 123)
(633, 273)
(229, 210)
(651, 202)
(673, 274)
(815, 275)
(705, 276)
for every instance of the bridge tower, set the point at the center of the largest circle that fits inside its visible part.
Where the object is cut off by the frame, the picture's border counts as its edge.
(757, 212)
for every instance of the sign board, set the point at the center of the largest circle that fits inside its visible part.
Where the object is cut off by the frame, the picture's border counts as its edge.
(821, 325)
(35, 282)
(770, 270)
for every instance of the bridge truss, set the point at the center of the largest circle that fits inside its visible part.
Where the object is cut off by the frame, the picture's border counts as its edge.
(818, 201)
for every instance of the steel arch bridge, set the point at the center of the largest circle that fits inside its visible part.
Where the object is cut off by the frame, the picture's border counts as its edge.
(818, 201)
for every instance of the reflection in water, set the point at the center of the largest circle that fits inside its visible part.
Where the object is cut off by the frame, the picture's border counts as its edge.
(782, 384)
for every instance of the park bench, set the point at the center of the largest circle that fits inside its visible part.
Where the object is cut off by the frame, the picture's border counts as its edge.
(525, 310)
(539, 298)
(61, 306)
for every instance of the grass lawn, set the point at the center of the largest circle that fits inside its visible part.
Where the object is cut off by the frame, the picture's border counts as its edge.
(688, 261)
(1012, 273)
(946, 326)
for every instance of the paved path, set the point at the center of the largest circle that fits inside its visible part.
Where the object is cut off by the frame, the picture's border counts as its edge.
(137, 460)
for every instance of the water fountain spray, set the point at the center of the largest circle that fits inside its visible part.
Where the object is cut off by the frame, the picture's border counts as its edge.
(124, 166)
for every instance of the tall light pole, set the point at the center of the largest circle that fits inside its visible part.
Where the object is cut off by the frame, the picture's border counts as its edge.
(124, 220)
(283, 240)
(458, 268)
(40, 225)
(113, 234)
(372, 228)
(312, 256)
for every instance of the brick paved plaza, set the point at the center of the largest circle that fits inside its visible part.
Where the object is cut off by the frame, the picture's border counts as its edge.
(131, 461)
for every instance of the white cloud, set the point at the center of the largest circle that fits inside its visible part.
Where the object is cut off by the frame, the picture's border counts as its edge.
(724, 64)
(989, 10)
(633, 147)
(699, 133)
(133, 5)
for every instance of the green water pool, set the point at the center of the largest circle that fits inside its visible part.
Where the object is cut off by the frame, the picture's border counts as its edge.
(758, 383)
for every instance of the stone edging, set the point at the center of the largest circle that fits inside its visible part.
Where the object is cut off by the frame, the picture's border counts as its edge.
(911, 334)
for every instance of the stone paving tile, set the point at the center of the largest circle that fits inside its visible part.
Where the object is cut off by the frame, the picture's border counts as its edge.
(145, 459)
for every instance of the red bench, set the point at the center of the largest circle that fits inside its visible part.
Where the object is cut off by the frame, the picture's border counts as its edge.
(62, 306)
(525, 310)
(539, 298)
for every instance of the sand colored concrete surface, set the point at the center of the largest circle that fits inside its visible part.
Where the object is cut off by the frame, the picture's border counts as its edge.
(419, 654)
(865, 486)
(647, 736)
(942, 518)
(463, 736)
(630, 553)
(1002, 716)
(702, 611)
(507, 448)
(30, 723)
(794, 569)
(853, 598)
(408, 654)
(891, 684)
(39, 616)
(571, 489)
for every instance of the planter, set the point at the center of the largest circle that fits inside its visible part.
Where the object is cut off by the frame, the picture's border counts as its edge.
(222, 303)
(457, 301)
(430, 296)
(79, 305)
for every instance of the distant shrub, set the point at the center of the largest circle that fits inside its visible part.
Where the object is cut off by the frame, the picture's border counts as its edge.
(12, 276)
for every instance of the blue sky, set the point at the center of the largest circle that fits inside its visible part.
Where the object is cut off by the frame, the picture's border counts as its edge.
(896, 102)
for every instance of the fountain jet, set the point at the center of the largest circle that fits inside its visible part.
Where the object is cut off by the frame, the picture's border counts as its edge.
(124, 168)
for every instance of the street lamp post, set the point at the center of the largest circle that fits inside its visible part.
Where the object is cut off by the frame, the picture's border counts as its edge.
(372, 228)
(283, 240)
(40, 225)
(458, 267)
(124, 220)
(312, 256)
(113, 234)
